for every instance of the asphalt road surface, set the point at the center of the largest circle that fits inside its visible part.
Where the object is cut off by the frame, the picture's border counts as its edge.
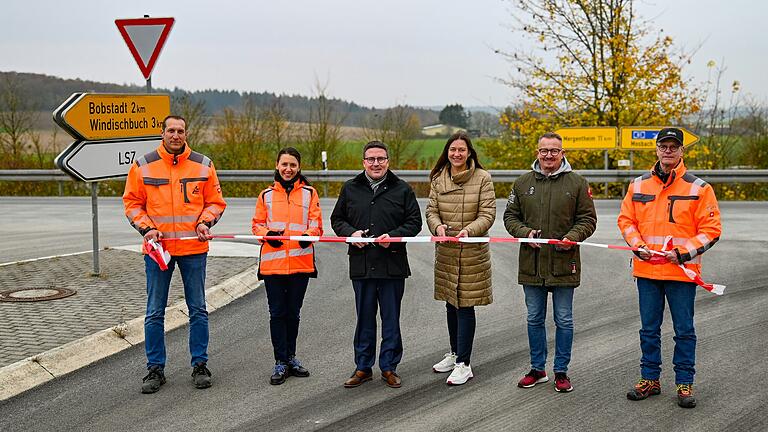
(732, 354)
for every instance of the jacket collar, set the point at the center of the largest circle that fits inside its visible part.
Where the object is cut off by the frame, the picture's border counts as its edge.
(677, 172)
(296, 186)
(168, 157)
(565, 167)
(391, 178)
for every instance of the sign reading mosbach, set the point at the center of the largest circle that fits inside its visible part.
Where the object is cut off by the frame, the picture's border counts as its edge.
(597, 137)
(644, 137)
(97, 116)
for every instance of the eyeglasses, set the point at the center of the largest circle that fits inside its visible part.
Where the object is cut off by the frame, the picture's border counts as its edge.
(552, 151)
(373, 160)
(670, 149)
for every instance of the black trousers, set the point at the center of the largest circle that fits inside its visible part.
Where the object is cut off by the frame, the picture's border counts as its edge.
(461, 331)
(285, 295)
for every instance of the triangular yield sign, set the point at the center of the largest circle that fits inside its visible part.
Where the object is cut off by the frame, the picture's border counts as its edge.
(145, 38)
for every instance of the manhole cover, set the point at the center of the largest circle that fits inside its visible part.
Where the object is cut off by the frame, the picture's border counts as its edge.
(35, 294)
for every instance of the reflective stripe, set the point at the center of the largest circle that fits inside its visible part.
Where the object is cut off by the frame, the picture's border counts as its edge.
(300, 252)
(269, 256)
(314, 224)
(275, 226)
(306, 196)
(637, 184)
(297, 227)
(696, 186)
(133, 213)
(703, 238)
(268, 202)
(629, 231)
(173, 219)
(178, 234)
(633, 242)
(659, 240)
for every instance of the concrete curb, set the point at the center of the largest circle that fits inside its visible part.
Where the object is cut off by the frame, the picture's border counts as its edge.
(26, 374)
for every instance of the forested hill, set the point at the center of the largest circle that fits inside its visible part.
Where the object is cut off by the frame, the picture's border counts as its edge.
(44, 93)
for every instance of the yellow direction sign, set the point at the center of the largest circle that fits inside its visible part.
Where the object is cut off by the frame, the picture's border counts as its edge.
(644, 137)
(598, 137)
(98, 116)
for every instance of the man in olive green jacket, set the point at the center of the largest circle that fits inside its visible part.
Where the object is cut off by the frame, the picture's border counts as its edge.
(554, 202)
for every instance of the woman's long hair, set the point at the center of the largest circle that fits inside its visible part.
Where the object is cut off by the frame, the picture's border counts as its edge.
(442, 161)
(295, 153)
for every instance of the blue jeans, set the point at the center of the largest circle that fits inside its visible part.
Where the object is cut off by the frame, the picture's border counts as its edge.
(192, 269)
(285, 295)
(562, 305)
(680, 297)
(461, 331)
(385, 295)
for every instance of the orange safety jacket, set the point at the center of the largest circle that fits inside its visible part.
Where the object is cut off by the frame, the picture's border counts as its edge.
(684, 207)
(173, 194)
(294, 214)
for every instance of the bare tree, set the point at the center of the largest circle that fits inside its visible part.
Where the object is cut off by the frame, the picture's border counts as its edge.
(275, 127)
(398, 127)
(195, 112)
(323, 130)
(239, 139)
(16, 121)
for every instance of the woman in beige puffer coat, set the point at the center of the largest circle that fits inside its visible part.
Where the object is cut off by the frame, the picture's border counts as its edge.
(462, 203)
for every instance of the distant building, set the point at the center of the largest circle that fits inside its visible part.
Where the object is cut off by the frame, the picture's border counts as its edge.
(438, 130)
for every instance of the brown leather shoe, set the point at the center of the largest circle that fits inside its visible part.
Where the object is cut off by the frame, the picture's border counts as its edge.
(358, 378)
(391, 378)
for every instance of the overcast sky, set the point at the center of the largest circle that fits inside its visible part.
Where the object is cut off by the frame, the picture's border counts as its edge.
(374, 52)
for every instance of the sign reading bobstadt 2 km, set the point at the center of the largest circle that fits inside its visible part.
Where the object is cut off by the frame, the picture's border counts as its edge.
(110, 130)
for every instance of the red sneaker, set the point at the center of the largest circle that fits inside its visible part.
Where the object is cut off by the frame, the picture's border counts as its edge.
(562, 382)
(532, 378)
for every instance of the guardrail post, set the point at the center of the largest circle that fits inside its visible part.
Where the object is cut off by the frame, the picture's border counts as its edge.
(61, 189)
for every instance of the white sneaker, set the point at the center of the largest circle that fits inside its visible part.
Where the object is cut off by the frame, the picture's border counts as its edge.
(461, 374)
(446, 364)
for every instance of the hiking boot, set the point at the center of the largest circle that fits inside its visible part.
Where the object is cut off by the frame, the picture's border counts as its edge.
(279, 373)
(201, 376)
(446, 364)
(296, 369)
(461, 374)
(685, 397)
(643, 389)
(562, 383)
(154, 379)
(532, 378)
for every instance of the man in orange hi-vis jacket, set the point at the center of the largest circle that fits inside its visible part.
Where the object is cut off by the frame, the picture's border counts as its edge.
(668, 202)
(171, 193)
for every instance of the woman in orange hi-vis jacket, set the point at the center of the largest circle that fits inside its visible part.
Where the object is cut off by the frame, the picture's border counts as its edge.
(290, 207)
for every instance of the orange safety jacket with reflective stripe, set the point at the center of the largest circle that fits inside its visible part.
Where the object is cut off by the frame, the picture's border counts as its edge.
(294, 214)
(173, 194)
(684, 207)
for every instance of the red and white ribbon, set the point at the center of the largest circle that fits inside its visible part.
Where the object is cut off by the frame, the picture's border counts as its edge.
(158, 254)
(659, 256)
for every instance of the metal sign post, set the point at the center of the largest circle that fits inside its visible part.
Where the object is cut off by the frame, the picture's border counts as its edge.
(95, 226)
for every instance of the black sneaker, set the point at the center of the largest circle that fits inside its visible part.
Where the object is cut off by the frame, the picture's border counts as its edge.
(279, 374)
(685, 396)
(201, 376)
(154, 379)
(296, 369)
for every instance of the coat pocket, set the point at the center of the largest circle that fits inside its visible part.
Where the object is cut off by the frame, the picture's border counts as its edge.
(357, 267)
(528, 260)
(564, 263)
(397, 264)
